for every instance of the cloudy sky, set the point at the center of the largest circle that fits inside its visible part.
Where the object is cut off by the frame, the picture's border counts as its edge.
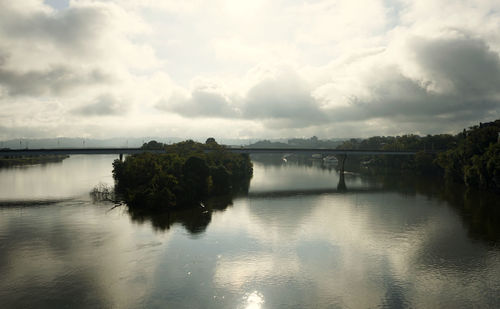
(247, 69)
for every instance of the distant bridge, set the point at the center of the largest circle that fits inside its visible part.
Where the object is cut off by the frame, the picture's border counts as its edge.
(323, 151)
(245, 150)
(339, 153)
(73, 151)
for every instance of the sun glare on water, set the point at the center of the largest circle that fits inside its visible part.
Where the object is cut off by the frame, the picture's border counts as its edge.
(254, 300)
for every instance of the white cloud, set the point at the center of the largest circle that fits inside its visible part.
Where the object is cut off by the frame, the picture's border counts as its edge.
(103, 105)
(326, 68)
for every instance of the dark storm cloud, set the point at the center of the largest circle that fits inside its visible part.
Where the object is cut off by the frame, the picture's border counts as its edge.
(55, 80)
(73, 28)
(462, 83)
(467, 63)
(202, 103)
(285, 100)
(464, 72)
(398, 97)
(104, 105)
(73, 31)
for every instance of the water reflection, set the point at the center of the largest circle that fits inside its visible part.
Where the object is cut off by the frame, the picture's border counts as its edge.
(66, 255)
(293, 241)
(478, 210)
(194, 219)
(72, 177)
(254, 300)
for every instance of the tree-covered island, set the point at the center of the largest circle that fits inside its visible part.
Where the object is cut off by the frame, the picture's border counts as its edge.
(186, 175)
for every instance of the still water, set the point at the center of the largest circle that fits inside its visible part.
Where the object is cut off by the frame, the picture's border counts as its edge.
(293, 241)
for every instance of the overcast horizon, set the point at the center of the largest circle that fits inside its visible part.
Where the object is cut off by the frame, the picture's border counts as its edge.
(247, 69)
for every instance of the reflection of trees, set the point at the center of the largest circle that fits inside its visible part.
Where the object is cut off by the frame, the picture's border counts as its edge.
(275, 159)
(291, 159)
(479, 210)
(11, 162)
(194, 219)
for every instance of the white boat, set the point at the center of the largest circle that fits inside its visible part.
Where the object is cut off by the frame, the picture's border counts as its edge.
(330, 160)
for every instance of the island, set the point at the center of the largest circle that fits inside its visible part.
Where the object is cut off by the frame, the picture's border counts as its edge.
(185, 176)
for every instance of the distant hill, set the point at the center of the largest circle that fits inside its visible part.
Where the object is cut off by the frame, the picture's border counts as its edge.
(65, 142)
(312, 142)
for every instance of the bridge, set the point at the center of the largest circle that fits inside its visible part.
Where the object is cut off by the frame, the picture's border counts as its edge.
(244, 150)
(341, 154)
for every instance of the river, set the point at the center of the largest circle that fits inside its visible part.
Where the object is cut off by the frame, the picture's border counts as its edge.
(293, 241)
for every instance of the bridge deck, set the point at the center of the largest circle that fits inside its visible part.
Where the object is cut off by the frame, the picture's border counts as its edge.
(319, 151)
(117, 151)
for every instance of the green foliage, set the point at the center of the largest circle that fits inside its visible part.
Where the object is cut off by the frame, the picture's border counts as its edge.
(492, 159)
(475, 159)
(153, 145)
(424, 162)
(210, 141)
(484, 170)
(186, 175)
(452, 163)
(470, 157)
(421, 163)
(408, 142)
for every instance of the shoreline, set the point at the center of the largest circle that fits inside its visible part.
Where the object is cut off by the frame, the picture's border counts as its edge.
(20, 161)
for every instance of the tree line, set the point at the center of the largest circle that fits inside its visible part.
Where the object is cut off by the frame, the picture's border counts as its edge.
(471, 157)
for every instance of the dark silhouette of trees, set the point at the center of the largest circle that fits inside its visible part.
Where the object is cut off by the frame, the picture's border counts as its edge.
(475, 158)
(471, 157)
(153, 145)
(187, 174)
(210, 141)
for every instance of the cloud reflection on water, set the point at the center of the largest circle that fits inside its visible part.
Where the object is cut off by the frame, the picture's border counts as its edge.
(390, 248)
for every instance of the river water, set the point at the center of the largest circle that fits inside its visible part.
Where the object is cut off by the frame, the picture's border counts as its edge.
(293, 241)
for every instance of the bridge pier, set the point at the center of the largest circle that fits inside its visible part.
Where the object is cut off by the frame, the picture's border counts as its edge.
(341, 185)
(121, 157)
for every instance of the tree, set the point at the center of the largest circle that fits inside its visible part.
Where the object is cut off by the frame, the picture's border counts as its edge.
(210, 141)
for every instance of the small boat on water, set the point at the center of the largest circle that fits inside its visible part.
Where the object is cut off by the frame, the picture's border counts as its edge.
(367, 163)
(330, 160)
(286, 156)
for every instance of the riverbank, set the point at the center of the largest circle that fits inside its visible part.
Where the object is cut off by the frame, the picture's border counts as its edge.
(18, 161)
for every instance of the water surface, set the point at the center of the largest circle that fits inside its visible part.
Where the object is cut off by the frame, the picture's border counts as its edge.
(293, 242)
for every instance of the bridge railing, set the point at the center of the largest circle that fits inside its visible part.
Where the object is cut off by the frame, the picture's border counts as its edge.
(245, 150)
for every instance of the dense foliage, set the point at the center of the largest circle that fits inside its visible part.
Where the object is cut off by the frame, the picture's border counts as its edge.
(471, 157)
(475, 160)
(427, 148)
(186, 175)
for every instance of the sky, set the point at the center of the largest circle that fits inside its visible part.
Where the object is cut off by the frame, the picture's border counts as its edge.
(247, 69)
